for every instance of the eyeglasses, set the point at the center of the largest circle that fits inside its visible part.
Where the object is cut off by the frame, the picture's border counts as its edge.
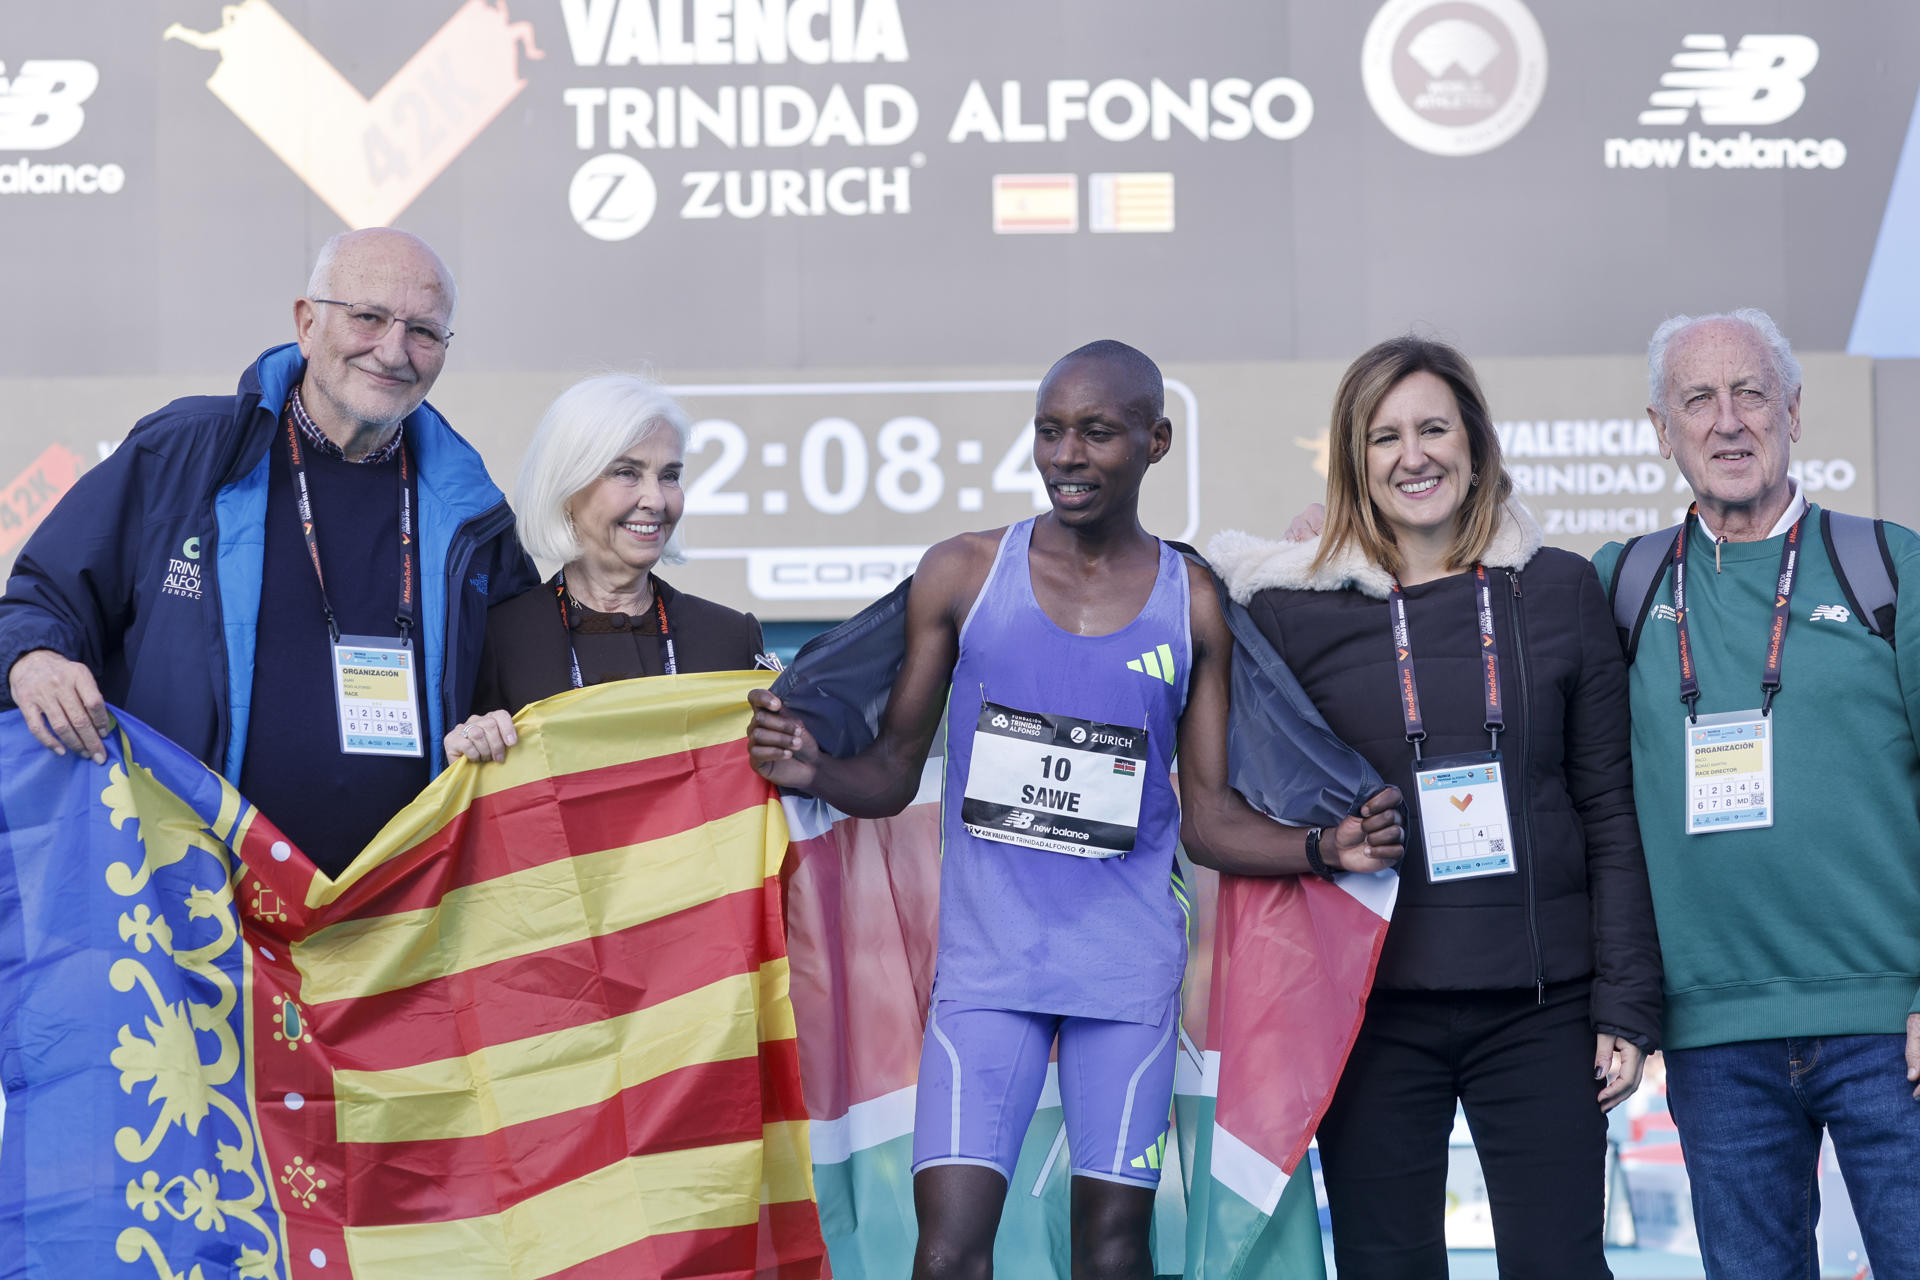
(370, 323)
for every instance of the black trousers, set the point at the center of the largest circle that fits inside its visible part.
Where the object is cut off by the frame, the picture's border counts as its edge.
(1523, 1071)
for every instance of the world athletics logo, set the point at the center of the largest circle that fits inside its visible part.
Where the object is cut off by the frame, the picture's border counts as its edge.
(1450, 84)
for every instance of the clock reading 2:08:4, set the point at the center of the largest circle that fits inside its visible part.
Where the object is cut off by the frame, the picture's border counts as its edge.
(833, 490)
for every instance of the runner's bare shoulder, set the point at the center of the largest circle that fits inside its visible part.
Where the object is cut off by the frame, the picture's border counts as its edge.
(953, 572)
(1208, 623)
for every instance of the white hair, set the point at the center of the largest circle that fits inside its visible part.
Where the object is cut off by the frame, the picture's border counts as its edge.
(1785, 366)
(590, 424)
(320, 283)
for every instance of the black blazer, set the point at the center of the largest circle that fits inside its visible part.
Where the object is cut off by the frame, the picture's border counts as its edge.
(525, 656)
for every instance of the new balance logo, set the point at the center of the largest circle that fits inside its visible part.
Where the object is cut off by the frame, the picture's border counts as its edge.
(40, 108)
(1155, 662)
(1757, 83)
(1664, 613)
(1153, 1155)
(1830, 613)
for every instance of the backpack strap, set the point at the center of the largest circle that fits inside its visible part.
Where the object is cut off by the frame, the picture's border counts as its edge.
(1636, 578)
(1857, 546)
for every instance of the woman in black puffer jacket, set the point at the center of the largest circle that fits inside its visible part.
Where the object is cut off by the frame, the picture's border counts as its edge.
(1521, 974)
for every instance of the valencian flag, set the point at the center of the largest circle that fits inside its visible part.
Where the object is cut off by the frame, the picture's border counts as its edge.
(1275, 990)
(540, 1027)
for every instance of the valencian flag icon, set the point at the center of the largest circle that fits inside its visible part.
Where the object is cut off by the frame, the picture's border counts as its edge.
(540, 1027)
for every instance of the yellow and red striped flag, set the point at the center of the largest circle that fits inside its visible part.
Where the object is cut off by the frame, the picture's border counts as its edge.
(1130, 202)
(540, 1027)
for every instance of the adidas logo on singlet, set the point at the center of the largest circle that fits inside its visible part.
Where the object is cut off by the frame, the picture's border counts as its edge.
(1153, 1155)
(1155, 663)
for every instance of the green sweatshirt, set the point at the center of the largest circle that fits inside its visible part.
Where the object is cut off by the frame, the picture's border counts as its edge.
(1811, 926)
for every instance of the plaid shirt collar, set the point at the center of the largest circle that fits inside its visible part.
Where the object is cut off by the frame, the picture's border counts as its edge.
(321, 444)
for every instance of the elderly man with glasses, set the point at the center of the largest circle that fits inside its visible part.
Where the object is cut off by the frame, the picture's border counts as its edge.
(290, 581)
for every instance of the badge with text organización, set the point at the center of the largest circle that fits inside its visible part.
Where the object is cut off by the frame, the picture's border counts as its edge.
(1729, 772)
(1054, 782)
(374, 695)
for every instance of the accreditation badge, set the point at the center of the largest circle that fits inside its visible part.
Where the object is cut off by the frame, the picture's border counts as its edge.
(374, 694)
(1463, 817)
(1729, 772)
(1055, 783)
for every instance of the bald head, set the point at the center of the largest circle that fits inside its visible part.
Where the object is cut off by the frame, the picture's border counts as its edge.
(373, 326)
(1133, 379)
(379, 252)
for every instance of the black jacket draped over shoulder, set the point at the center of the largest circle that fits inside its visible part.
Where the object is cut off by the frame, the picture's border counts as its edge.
(1578, 904)
(525, 657)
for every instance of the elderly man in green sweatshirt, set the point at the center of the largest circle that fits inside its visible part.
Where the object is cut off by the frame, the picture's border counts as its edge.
(1776, 762)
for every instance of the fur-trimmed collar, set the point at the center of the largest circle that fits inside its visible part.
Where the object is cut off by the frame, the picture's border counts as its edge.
(1249, 564)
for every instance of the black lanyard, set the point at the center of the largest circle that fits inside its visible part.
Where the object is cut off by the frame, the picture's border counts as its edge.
(1489, 659)
(404, 611)
(669, 666)
(1776, 631)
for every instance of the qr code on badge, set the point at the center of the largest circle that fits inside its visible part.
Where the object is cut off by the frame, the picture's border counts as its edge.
(1497, 845)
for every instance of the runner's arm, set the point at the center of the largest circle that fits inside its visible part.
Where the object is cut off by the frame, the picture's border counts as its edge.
(882, 780)
(1219, 828)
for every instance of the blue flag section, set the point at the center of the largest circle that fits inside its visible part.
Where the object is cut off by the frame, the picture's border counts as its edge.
(122, 1019)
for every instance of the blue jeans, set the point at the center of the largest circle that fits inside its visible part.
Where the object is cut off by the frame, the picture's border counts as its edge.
(1750, 1117)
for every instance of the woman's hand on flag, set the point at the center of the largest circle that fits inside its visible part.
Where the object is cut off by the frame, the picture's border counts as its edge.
(482, 737)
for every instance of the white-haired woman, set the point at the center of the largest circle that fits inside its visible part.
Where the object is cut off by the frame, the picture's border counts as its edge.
(600, 493)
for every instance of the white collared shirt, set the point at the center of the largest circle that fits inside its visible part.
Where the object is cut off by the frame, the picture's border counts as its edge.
(1795, 509)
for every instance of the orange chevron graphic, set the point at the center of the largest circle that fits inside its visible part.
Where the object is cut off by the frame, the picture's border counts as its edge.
(367, 158)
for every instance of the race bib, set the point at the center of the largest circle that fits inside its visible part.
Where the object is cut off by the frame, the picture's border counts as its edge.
(1463, 818)
(1055, 783)
(374, 695)
(1729, 772)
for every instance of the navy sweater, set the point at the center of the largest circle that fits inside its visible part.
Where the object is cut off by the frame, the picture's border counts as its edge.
(326, 802)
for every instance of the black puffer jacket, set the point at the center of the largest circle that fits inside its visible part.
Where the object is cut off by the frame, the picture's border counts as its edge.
(1579, 904)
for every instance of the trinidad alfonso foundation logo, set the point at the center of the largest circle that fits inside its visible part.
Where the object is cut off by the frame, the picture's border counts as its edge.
(367, 158)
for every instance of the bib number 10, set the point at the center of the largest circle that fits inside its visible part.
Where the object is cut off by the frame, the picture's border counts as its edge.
(1056, 768)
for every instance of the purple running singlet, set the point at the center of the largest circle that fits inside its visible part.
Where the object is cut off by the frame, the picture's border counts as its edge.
(1044, 932)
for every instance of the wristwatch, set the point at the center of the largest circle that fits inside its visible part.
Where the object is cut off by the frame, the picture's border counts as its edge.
(1318, 867)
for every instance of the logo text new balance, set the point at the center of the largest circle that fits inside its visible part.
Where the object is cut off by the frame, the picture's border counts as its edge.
(1759, 82)
(40, 110)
